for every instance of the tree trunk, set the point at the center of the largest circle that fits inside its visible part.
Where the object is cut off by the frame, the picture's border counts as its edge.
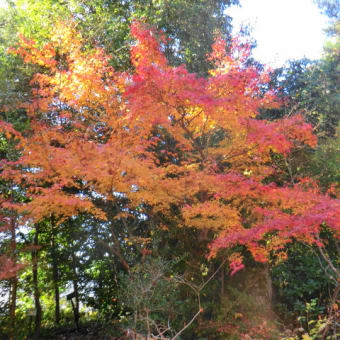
(12, 307)
(222, 282)
(14, 282)
(76, 293)
(38, 309)
(253, 298)
(118, 250)
(55, 278)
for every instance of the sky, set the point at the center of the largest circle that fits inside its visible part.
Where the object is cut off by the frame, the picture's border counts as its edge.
(283, 29)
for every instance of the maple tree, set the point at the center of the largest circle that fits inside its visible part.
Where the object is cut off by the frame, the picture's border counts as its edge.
(164, 143)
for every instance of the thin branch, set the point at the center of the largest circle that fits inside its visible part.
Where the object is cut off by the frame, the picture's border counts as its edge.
(326, 258)
(187, 325)
(213, 275)
(289, 168)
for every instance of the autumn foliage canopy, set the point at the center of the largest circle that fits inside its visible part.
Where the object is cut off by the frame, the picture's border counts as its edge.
(175, 146)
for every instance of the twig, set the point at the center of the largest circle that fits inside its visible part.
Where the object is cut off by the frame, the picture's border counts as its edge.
(187, 325)
(213, 275)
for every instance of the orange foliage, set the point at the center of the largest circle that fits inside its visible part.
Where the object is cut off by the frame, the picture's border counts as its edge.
(102, 134)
